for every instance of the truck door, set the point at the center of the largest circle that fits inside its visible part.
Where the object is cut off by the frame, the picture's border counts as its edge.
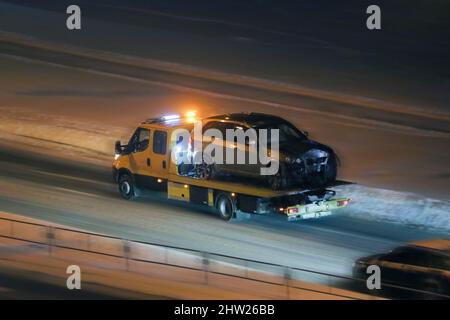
(139, 152)
(159, 154)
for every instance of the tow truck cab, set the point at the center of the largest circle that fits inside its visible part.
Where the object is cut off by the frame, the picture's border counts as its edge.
(146, 158)
(144, 164)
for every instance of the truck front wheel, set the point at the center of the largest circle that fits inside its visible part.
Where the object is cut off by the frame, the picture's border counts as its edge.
(126, 187)
(225, 206)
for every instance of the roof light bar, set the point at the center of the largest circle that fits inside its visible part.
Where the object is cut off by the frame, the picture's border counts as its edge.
(171, 117)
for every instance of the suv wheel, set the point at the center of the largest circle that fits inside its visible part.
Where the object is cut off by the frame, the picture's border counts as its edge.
(206, 171)
(278, 180)
(326, 176)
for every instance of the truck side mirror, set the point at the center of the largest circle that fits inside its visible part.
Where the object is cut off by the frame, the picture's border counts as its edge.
(118, 147)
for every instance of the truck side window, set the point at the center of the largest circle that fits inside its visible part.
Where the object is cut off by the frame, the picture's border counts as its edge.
(159, 142)
(140, 140)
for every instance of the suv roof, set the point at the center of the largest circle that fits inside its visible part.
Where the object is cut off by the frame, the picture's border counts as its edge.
(250, 119)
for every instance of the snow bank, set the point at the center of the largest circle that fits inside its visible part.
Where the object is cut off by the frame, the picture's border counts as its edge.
(398, 207)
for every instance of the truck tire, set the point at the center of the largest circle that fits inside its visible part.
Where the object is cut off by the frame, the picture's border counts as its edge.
(126, 187)
(225, 206)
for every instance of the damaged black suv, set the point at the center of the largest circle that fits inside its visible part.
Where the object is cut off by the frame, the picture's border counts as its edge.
(302, 162)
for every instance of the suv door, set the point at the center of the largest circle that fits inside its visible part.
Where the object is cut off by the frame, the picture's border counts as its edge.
(214, 140)
(250, 150)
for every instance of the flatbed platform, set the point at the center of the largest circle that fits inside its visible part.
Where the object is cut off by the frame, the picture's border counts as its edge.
(250, 189)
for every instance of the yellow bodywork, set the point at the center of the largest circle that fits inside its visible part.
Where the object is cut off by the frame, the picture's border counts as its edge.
(178, 191)
(137, 163)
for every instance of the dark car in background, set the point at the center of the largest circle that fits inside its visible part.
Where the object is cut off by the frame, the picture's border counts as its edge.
(423, 266)
(302, 161)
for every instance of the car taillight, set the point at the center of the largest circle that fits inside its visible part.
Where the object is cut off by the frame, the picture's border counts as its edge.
(292, 210)
(342, 203)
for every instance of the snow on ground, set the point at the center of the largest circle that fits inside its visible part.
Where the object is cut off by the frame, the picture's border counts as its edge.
(58, 135)
(72, 139)
(398, 207)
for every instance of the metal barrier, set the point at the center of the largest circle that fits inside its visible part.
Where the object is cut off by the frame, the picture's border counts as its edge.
(188, 259)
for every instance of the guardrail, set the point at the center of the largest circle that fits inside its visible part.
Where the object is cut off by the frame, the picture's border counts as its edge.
(171, 256)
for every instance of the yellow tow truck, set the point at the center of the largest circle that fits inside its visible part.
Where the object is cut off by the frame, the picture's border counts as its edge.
(145, 165)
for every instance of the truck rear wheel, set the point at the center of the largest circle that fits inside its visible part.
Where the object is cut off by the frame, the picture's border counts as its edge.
(225, 206)
(126, 187)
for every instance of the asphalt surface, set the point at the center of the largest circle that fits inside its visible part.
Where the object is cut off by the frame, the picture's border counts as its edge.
(84, 196)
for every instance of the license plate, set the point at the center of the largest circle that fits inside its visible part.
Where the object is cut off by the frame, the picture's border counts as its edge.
(312, 215)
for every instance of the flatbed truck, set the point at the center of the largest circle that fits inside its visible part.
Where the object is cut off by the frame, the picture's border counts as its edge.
(144, 164)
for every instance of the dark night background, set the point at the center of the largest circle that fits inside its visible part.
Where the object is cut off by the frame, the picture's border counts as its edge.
(316, 43)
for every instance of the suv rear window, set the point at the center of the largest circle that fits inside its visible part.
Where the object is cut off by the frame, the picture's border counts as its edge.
(159, 142)
(215, 125)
